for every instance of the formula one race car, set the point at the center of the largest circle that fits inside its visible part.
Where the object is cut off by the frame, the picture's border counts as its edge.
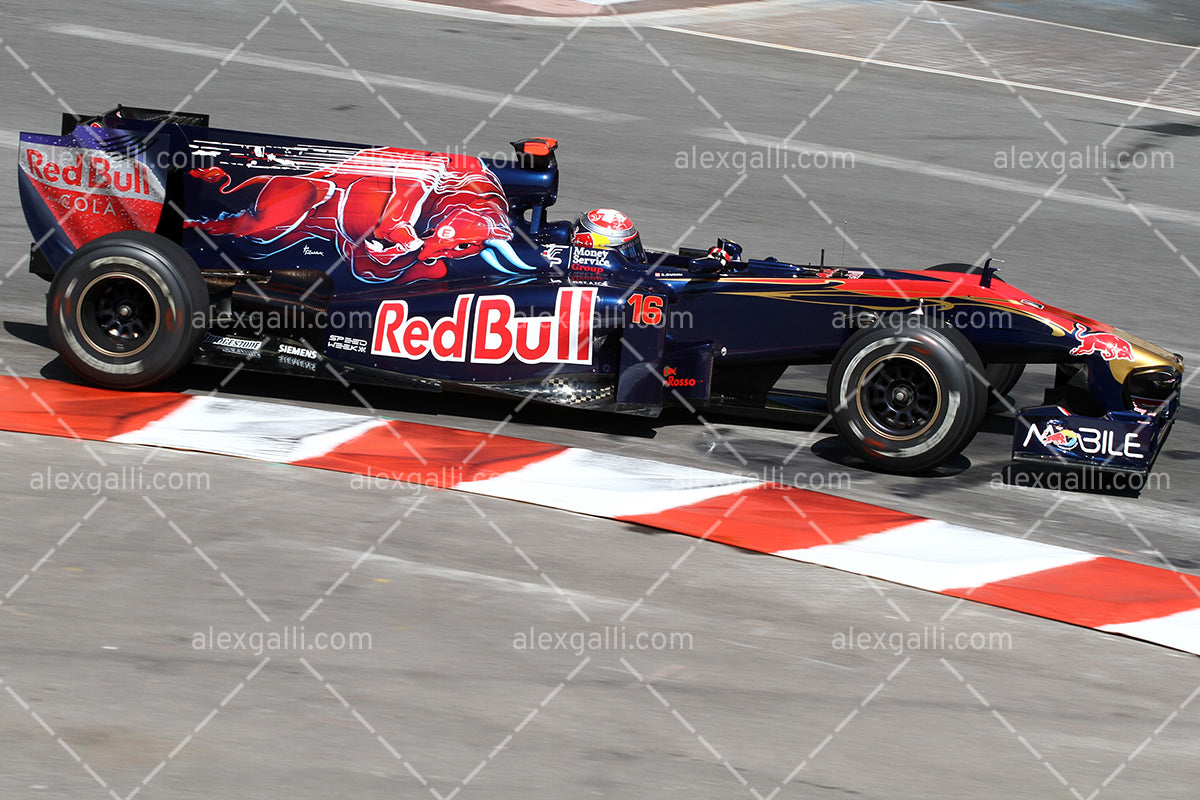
(168, 242)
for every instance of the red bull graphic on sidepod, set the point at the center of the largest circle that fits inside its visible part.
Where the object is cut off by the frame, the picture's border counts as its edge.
(392, 214)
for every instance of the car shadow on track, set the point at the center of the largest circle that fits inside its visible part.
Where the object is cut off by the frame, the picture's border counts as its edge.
(451, 408)
(390, 401)
(33, 334)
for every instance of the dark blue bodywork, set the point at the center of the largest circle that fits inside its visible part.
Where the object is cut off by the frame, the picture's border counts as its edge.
(526, 312)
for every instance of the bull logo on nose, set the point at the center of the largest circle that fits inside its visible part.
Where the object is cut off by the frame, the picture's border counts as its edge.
(392, 214)
(1109, 346)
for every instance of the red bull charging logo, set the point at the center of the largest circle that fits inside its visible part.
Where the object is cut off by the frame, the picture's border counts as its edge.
(1108, 346)
(1058, 437)
(391, 214)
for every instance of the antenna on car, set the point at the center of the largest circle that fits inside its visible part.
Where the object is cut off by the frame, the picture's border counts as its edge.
(845, 233)
(985, 275)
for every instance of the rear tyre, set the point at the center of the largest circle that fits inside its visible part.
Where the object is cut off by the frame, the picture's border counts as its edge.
(127, 310)
(908, 398)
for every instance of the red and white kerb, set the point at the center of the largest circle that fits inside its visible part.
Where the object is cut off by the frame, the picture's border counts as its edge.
(1148, 603)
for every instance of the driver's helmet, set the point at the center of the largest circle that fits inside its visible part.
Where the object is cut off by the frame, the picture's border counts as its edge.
(608, 229)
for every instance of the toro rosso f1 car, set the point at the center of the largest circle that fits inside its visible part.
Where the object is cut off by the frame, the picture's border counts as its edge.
(167, 242)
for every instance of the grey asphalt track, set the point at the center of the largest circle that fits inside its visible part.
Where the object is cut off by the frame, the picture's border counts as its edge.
(1163, 20)
(116, 679)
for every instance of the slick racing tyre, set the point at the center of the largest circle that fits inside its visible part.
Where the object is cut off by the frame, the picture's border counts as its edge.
(125, 310)
(908, 398)
(1002, 378)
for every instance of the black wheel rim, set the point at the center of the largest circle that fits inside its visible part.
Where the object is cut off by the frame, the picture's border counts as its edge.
(118, 314)
(899, 397)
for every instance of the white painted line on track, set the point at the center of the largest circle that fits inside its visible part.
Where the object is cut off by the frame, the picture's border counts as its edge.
(659, 20)
(930, 70)
(753, 9)
(1019, 18)
(377, 79)
(1106, 202)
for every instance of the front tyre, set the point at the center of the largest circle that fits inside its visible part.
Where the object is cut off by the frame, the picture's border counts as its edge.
(1002, 378)
(126, 309)
(908, 398)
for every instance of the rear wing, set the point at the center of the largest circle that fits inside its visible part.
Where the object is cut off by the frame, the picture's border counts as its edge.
(103, 173)
(112, 118)
(145, 169)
